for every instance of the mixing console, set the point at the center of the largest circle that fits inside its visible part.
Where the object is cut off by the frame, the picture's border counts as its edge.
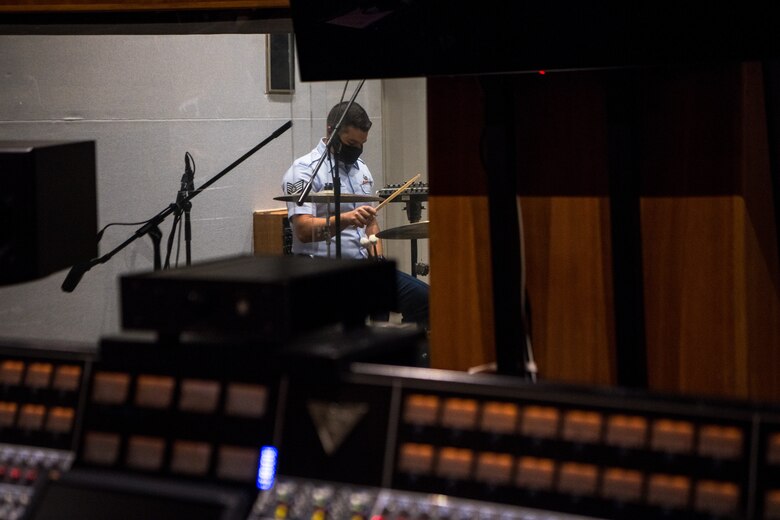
(313, 439)
(295, 498)
(40, 409)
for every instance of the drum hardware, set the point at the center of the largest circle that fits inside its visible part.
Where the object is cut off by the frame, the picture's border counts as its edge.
(414, 232)
(414, 195)
(414, 210)
(397, 192)
(416, 190)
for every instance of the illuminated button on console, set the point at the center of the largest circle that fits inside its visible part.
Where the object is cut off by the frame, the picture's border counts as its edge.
(668, 491)
(101, 448)
(60, 419)
(145, 452)
(623, 485)
(535, 473)
(7, 414)
(31, 417)
(720, 442)
(772, 505)
(237, 463)
(582, 426)
(773, 449)
(11, 372)
(416, 458)
(190, 458)
(455, 463)
(246, 400)
(110, 387)
(421, 409)
(540, 421)
(578, 479)
(626, 431)
(494, 468)
(38, 375)
(30, 476)
(672, 436)
(199, 396)
(459, 413)
(154, 391)
(67, 378)
(717, 498)
(499, 417)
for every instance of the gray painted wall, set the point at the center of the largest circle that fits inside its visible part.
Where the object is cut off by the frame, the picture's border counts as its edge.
(146, 100)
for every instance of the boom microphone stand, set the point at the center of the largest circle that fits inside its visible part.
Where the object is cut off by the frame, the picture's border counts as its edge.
(190, 174)
(336, 177)
(77, 271)
(182, 206)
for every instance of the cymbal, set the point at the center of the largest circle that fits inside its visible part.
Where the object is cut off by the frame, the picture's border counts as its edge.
(324, 197)
(409, 231)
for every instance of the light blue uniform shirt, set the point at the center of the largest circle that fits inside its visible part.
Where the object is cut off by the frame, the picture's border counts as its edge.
(357, 180)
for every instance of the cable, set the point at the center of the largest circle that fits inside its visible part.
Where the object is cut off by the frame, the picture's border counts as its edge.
(178, 243)
(99, 235)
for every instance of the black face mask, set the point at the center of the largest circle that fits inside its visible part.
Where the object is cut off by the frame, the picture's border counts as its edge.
(346, 153)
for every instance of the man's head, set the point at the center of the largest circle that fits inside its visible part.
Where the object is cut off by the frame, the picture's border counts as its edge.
(353, 132)
(356, 117)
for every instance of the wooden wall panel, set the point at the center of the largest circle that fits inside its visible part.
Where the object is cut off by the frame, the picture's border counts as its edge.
(763, 317)
(709, 239)
(710, 251)
(461, 296)
(567, 238)
(570, 286)
(712, 309)
(461, 299)
(694, 266)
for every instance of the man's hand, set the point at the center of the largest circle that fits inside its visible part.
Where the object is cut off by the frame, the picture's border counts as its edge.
(359, 217)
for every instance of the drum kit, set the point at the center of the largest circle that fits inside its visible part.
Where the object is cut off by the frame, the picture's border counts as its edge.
(412, 193)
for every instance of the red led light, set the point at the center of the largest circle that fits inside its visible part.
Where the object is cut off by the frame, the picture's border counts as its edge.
(542, 72)
(31, 475)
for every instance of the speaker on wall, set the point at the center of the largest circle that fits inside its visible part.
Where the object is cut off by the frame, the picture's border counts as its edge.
(280, 64)
(48, 207)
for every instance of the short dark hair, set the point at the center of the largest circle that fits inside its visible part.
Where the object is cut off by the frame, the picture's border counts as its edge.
(356, 116)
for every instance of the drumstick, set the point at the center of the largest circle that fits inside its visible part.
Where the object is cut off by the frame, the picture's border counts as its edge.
(373, 240)
(365, 242)
(397, 192)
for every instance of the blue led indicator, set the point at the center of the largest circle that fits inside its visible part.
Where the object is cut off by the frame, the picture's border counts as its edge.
(266, 468)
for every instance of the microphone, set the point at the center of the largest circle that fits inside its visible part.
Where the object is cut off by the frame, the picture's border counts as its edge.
(76, 273)
(189, 173)
(186, 177)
